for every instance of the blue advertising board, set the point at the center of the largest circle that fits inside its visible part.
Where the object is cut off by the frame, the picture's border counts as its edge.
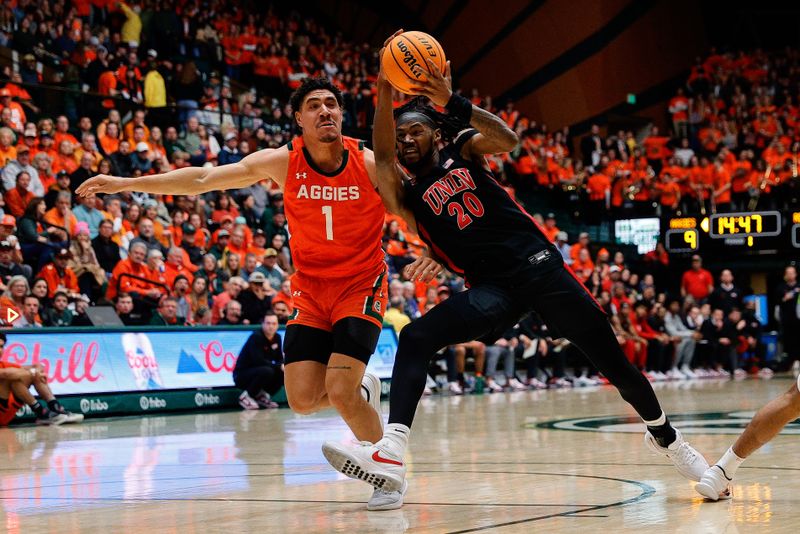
(98, 361)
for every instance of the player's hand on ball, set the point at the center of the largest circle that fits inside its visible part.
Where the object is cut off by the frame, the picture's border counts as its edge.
(437, 86)
(102, 183)
(424, 269)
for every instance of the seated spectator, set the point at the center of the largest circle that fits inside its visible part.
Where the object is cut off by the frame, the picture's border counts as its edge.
(41, 291)
(29, 318)
(13, 297)
(15, 382)
(91, 275)
(140, 161)
(106, 250)
(61, 216)
(88, 213)
(88, 147)
(232, 290)
(180, 290)
(8, 152)
(132, 276)
(18, 197)
(395, 315)
(58, 314)
(282, 310)
(125, 309)
(275, 275)
(176, 266)
(259, 367)
(59, 276)
(43, 165)
(188, 241)
(38, 241)
(254, 300)
(198, 298)
(213, 274)
(22, 163)
(8, 267)
(232, 314)
(167, 314)
(63, 181)
(121, 160)
(147, 236)
(65, 159)
(230, 152)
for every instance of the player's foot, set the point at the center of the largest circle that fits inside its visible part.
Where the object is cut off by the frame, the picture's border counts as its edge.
(387, 500)
(687, 460)
(52, 418)
(247, 402)
(264, 400)
(368, 462)
(371, 389)
(493, 386)
(714, 484)
(71, 417)
(516, 385)
(455, 388)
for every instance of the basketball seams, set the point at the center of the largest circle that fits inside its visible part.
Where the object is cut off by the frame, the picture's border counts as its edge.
(422, 56)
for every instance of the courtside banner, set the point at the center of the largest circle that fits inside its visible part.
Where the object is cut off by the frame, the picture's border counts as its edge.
(86, 361)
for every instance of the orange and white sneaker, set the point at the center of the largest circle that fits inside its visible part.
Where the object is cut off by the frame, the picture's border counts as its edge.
(714, 484)
(368, 462)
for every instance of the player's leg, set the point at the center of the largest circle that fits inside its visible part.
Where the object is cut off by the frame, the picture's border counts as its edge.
(463, 317)
(766, 424)
(20, 389)
(570, 312)
(306, 351)
(354, 341)
(46, 394)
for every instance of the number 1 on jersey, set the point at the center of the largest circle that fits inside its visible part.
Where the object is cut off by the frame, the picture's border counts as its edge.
(327, 211)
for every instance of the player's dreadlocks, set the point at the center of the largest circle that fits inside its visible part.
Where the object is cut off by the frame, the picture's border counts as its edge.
(449, 125)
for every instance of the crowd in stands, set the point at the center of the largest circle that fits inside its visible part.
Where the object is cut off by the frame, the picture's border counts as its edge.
(166, 73)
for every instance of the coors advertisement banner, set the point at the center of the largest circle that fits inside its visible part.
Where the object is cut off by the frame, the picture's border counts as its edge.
(97, 362)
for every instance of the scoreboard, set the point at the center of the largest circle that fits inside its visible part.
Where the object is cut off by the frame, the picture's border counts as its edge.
(741, 233)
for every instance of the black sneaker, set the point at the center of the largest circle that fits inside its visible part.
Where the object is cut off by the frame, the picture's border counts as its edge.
(52, 418)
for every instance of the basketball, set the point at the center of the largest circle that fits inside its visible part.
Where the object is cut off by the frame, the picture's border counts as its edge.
(404, 62)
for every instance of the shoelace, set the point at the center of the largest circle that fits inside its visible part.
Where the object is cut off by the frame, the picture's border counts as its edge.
(685, 454)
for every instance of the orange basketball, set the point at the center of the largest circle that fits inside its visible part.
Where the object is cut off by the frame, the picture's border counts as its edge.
(404, 62)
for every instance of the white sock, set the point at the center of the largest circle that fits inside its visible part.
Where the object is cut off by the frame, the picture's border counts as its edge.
(395, 439)
(658, 422)
(729, 463)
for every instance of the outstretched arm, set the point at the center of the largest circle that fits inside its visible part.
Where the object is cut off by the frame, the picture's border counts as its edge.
(493, 137)
(268, 163)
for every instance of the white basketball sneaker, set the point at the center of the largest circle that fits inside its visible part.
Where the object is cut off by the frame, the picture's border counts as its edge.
(689, 462)
(371, 391)
(714, 484)
(387, 500)
(368, 462)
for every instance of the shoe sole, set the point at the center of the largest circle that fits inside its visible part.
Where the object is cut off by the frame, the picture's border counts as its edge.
(390, 506)
(710, 493)
(348, 466)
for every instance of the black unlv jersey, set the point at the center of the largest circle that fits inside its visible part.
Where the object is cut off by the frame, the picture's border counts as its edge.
(470, 221)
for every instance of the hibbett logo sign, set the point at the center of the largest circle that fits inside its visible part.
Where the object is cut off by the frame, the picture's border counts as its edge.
(151, 403)
(206, 399)
(93, 405)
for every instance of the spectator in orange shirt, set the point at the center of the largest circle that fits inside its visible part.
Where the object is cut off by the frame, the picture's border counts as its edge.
(88, 146)
(138, 120)
(656, 149)
(134, 264)
(109, 139)
(583, 243)
(679, 108)
(722, 187)
(176, 265)
(62, 132)
(17, 198)
(59, 276)
(65, 158)
(697, 281)
(18, 118)
(8, 152)
(550, 228)
(669, 195)
(61, 215)
(598, 187)
(234, 286)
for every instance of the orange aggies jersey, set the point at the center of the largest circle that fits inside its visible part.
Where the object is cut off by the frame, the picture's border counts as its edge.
(335, 219)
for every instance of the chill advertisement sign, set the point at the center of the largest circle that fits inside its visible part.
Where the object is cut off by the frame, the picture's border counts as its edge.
(97, 362)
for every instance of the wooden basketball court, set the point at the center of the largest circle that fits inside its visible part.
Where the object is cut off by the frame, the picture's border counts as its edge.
(555, 461)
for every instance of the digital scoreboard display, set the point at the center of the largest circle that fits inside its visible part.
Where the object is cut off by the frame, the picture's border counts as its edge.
(749, 233)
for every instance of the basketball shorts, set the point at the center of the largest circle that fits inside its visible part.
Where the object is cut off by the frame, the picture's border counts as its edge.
(8, 409)
(321, 303)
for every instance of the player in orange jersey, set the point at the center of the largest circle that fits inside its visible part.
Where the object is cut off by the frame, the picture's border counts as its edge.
(336, 216)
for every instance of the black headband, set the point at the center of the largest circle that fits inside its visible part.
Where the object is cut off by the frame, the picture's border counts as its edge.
(416, 116)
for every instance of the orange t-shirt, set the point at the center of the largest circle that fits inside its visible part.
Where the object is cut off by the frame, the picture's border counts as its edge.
(7, 154)
(54, 280)
(54, 217)
(656, 147)
(598, 184)
(128, 284)
(669, 193)
(336, 218)
(16, 201)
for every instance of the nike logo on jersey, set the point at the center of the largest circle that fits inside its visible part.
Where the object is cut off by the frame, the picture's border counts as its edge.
(329, 192)
(440, 191)
(380, 459)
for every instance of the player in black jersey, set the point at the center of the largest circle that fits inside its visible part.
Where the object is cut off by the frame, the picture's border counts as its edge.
(474, 227)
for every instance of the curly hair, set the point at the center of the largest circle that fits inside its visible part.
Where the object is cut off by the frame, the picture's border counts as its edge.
(313, 84)
(449, 125)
